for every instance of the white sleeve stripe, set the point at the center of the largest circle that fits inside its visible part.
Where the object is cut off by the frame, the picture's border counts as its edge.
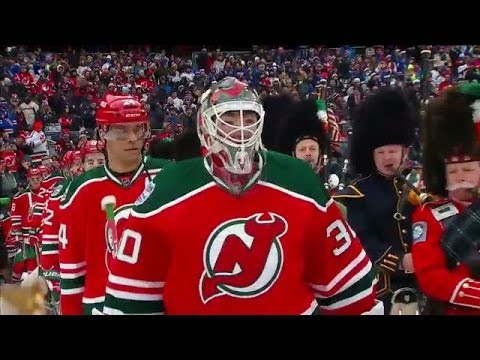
(49, 242)
(72, 275)
(134, 296)
(457, 288)
(111, 311)
(73, 266)
(311, 308)
(340, 275)
(53, 237)
(50, 252)
(348, 301)
(73, 291)
(95, 300)
(359, 276)
(136, 283)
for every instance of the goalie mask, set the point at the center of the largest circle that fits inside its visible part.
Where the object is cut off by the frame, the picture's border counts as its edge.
(230, 123)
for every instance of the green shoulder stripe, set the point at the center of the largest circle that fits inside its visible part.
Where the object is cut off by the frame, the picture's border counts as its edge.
(174, 181)
(294, 175)
(96, 174)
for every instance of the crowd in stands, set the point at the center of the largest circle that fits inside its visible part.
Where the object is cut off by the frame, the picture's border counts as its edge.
(61, 91)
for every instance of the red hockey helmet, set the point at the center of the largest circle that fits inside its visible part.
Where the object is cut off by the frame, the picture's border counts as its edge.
(91, 147)
(120, 110)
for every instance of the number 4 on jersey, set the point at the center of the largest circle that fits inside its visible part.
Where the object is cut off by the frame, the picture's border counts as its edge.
(62, 236)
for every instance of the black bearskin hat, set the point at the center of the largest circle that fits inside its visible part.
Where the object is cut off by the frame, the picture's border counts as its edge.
(302, 122)
(277, 109)
(187, 145)
(384, 118)
(450, 133)
(161, 149)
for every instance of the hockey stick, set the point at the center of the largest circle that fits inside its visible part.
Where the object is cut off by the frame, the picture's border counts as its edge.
(108, 205)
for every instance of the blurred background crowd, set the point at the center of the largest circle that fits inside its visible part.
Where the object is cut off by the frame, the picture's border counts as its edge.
(54, 94)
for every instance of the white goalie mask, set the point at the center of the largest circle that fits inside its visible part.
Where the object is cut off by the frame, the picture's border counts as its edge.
(230, 123)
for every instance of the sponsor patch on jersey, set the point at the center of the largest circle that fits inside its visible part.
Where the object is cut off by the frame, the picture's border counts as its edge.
(419, 231)
(145, 194)
(444, 211)
(56, 190)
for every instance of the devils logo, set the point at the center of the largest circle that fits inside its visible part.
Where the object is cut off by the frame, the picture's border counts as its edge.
(243, 257)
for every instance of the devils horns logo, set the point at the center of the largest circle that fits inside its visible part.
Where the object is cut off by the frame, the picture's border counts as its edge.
(243, 257)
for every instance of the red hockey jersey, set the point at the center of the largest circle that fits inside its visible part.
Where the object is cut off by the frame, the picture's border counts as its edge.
(49, 229)
(26, 219)
(85, 244)
(191, 247)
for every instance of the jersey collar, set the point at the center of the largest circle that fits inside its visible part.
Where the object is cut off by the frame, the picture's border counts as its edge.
(261, 163)
(118, 181)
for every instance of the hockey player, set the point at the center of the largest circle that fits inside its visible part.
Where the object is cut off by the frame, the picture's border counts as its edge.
(263, 237)
(25, 226)
(91, 158)
(51, 177)
(452, 170)
(86, 233)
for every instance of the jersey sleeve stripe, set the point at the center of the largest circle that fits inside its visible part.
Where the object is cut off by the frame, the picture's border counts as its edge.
(365, 270)
(66, 266)
(136, 283)
(311, 309)
(49, 242)
(73, 291)
(126, 295)
(110, 311)
(95, 300)
(51, 237)
(327, 288)
(49, 252)
(123, 306)
(350, 300)
(49, 247)
(366, 282)
(72, 283)
(73, 275)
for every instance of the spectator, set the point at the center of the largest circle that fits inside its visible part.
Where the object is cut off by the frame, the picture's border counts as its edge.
(29, 109)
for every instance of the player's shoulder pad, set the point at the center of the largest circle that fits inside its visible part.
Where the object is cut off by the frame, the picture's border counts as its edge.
(82, 181)
(294, 175)
(176, 180)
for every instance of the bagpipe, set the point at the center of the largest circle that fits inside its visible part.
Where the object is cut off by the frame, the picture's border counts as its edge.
(461, 241)
(332, 182)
